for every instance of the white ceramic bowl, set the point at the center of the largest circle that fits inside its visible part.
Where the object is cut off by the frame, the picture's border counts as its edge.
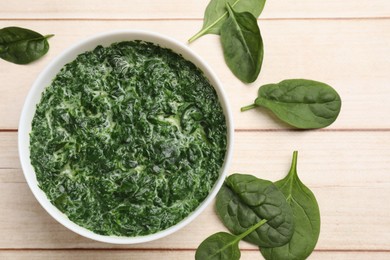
(45, 78)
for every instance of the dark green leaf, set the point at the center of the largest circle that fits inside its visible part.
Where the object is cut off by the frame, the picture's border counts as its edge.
(306, 218)
(244, 200)
(216, 14)
(223, 246)
(219, 246)
(242, 45)
(22, 46)
(301, 103)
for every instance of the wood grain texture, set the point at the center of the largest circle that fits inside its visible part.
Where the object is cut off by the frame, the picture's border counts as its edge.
(189, 9)
(348, 55)
(169, 255)
(9, 158)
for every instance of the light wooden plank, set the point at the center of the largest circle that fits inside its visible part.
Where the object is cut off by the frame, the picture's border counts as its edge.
(9, 157)
(350, 55)
(348, 172)
(146, 9)
(8, 175)
(169, 255)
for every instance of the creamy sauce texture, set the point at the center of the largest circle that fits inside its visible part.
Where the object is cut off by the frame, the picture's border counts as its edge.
(128, 140)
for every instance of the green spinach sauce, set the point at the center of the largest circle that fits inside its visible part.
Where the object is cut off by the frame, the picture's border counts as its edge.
(128, 140)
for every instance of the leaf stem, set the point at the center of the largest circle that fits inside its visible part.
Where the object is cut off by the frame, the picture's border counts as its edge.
(251, 229)
(229, 8)
(243, 109)
(48, 36)
(293, 168)
(204, 31)
(196, 36)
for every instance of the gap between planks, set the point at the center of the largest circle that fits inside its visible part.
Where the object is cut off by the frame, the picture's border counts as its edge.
(193, 19)
(184, 249)
(317, 130)
(279, 130)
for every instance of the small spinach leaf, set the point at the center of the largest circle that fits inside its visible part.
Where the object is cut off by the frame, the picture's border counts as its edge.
(245, 199)
(302, 103)
(22, 46)
(219, 246)
(242, 45)
(306, 218)
(216, 14)
(223, 245)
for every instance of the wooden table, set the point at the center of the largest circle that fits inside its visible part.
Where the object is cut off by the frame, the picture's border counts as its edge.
(347, 165)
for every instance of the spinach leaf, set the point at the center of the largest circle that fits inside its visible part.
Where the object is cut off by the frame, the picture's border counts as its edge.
(245, 199)
(223, 245)
(306, 218)
(216, 14)
(242, 45)
(22, 46)
(301, 103)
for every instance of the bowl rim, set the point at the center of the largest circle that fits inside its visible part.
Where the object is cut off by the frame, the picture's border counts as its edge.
(45, 78)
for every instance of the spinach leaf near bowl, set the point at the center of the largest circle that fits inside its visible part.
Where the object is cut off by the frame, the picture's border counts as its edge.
(128, 139)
